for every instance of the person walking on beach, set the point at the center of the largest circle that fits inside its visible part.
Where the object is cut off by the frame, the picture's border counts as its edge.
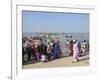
(75, 52)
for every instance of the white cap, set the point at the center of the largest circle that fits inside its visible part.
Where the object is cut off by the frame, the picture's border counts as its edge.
(74, 40)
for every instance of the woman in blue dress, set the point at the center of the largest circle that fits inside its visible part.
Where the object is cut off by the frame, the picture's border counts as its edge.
(55, 50)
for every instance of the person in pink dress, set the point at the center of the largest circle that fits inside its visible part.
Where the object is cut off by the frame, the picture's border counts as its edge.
(75, 52)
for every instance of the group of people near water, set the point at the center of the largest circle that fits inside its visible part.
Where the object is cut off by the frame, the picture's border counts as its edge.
(40, 50)
(77, 49)
(37, 49)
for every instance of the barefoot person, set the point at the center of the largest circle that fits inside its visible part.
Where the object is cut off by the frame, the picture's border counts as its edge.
(75, 52)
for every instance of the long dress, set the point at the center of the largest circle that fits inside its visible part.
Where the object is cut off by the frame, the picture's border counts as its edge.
(55, 50)
(75, 52)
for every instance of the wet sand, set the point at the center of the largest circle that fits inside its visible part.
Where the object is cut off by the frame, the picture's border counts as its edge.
(61, 62)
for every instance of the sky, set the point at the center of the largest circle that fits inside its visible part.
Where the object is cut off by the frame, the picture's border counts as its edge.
(55, 22)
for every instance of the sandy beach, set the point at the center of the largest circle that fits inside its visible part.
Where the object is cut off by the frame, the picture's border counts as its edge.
(61, 62)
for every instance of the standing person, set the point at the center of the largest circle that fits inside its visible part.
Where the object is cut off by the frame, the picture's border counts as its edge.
(87, 46)
(43, 50)
(82, 48)
(28, 49)
(55, 50)
(25, 55)
(49, 50)
(67, 47)
(75, 52)
(37, 53)
(71, 48)
(79, 47)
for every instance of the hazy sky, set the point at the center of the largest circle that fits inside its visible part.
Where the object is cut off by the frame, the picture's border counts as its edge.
(55, 22)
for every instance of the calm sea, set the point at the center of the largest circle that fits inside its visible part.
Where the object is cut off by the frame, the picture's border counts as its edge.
(77, 36)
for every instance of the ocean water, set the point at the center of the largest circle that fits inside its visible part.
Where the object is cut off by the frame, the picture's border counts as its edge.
(77, 36)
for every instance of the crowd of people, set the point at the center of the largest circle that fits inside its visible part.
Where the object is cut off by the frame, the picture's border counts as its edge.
(77, 49)
(37, 49)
